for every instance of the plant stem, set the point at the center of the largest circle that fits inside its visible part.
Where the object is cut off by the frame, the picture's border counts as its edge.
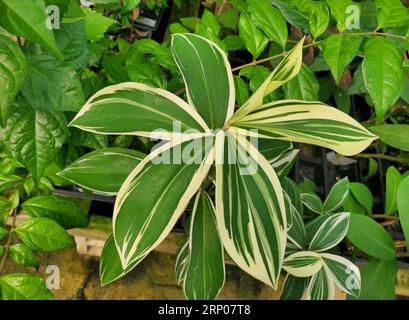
(377, 156)
(384, 216)
(256, 62)
(10, 236)
(375, 33)
(220, 10)
(19, 42)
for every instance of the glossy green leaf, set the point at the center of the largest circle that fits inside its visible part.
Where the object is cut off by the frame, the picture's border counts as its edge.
(293, 288)
(393, 180)
(44, 234)
(403, 207)
(27, 18)
(383, 74)
(253, 38)
(87, 139)
(45, 88)
(372, 168)
(368, 236)
(13, 69)
(362, 194)
(293, 16)
(90, 171)
(303, 87)
(21, 286)
(242, 92)
(341, 11)
(21, 254)
(33, 137)
(339, 51)
(321, 286)
(147, 73)
(303, 263)
(317, 12)
(391, 13)
(65, 211)
(395, 135)
(269, 19)
(204, 275)
(313, 202)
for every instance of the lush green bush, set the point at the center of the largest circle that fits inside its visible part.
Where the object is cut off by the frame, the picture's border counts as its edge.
(353, 52)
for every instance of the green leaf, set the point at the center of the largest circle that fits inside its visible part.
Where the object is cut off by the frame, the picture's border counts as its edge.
(8, 181)
(21, 254)
(383, 74)
(403, 207)
(393, 180)
(339, 51)
(269, 19)
(391, 13)
(27, 18)
(312, 202)
(208, 78)
(317, 12)
(362, 194)
(13, 69)
(250, 208)
(253, 38)
(33, 137)
(303, 87)
(62, 210)
(293, 16)
(20, 286)
(3, 232)
(45, 88)
(337, 195)
(395, 135)
(372, 168)
(159, 202)
(210, 20)
(371, 238)
(229, 19)
(44, 234)
(147, 73)
(233, 43)
(72, 41)
(293, 288)
(204, 275)
(87, 139)
(90, 171)
(307, 122)
(378, 279)
(339, 10)
(139, 110)
(242, 92)
(325, 232)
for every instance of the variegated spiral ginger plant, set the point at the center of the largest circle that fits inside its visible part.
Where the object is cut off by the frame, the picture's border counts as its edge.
(249, 218)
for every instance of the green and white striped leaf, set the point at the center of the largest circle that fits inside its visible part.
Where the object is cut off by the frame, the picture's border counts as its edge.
(296, 233)
(293, 288)
(303, 263)
(156, 193)
(110, 267)
(104, 170)
(250, 208)
(288, 68)
(327, 231)
(204, 274)
(343, 272)
(308, 122)
(321, 286)
(337, 195)
(182, 259)
(312, 201)
(208, 78)
(137, 109)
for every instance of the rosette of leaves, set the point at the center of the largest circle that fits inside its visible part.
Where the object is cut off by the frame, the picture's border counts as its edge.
(248, 217)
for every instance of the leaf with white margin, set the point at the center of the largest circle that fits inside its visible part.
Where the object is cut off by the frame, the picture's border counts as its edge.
(156, 193)
(325, 232)
(307, 122)
(137, 109)
(345, 274)
(337, 195)
(293, 288)
(204, 274)
(303, 263)
(250, 208)
(208, 77)
(321, 286)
